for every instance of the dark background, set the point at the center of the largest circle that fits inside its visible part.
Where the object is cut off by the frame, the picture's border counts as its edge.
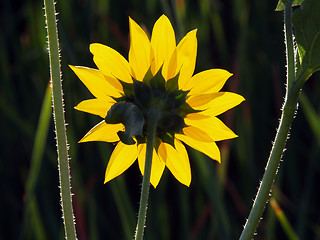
(242, 36)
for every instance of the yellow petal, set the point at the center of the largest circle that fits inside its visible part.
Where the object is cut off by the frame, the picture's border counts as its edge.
(97, 83)
(196, 133)
(162, 152)
(209, 148)
(213, 127)
(196, 116)
(122, 157)
(176, 160)
(170, 68)
(110, 62)
(157, 165)
(139, 54)
(209, 81)
(186, 57)
(215, 103)
(114, 83)
(163, 43)
(103, 132)
(199, 101)
(96, 106)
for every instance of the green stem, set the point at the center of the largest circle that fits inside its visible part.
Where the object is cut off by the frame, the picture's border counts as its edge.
(289, 108)
(289, 43)
(270, 172)
(59, 120)
(146, 177)
(262, 196)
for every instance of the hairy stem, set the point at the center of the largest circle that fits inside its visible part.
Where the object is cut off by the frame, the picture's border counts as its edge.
(294, 86)
(59, 120)
(146, 177)
(289, 44)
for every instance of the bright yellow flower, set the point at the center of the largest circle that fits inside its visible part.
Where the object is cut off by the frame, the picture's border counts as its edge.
(157, 76)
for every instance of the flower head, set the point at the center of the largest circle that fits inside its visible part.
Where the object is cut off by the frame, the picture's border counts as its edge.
(157, 79)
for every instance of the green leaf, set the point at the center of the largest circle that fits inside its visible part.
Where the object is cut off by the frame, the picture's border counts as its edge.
(167, 138)
(142, 93)
(148, 76)
(170, 123)
(127, 88)
(158, 83)
(306, 21)
(175, 99)
(130, 116)
(186, 109)
(172, 84)
(280, 6)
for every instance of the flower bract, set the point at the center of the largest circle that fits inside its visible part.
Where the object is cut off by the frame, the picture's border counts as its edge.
(157, 79)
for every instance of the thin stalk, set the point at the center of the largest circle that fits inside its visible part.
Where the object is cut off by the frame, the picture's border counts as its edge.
(290, 56)
(270, 172)
(262, 196)
(146, 177)
(288, 111)
(59, 120)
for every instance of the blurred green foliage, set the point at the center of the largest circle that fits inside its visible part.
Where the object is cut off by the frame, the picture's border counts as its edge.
(242, 36)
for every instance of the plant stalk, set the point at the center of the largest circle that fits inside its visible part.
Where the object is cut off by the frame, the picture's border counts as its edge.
(59, 120)
(290, 56)
(146, 177)
(294, 86)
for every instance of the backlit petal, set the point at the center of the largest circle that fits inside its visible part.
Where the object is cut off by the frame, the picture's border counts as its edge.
(215, 103)
(170, 67)
(122, 157)
(98, 106)
(110, 62)
(196, 116)
(157, 164)
(163, 43)
(213, 126)
(139, 54)
(162, 152)
(103, 132)
(98, 84)
(199, 101)
(209, 81)
(196, 133)
(177, 161)
(186, 57)
(209, 148)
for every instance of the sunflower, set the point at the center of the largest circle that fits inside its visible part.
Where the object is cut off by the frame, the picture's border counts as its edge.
(157, 79)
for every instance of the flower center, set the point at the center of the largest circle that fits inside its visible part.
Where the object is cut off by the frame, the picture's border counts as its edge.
(142, 99)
